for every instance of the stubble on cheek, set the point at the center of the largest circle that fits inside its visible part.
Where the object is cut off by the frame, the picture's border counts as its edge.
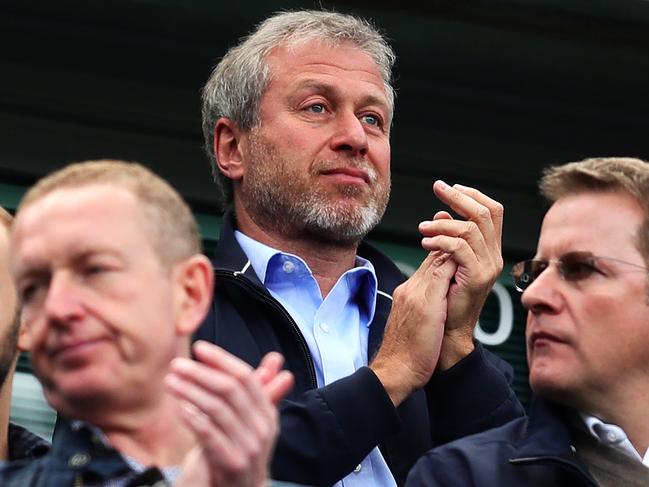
(282, 195)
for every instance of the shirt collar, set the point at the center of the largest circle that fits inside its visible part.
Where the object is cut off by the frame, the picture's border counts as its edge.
(258, 254)
(613, 435)
(362, 278)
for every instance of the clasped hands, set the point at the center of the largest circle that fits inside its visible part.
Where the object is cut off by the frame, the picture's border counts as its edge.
(435, 311)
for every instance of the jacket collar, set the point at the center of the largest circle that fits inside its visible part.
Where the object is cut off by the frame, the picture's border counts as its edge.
(546, 433)
(24, 444)
(229, 256)
(81, 449)
(547, 439)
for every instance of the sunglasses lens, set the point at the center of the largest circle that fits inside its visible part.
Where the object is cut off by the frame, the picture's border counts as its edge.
(576, 267)
(573, 266)
(523, 274)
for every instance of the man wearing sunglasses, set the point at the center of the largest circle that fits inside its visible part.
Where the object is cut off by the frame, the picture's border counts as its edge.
(587, 296)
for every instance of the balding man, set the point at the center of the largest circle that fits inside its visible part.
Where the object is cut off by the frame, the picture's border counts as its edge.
(108, 266)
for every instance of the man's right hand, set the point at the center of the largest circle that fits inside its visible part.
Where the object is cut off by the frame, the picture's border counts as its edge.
(232, 410)
(413, 334)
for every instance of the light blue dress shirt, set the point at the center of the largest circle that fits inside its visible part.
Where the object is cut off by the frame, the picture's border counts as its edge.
(336, 328)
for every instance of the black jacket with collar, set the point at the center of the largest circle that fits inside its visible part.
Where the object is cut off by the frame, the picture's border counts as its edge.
(327, 431)
(25, 445)
(533, 451)
(77, 457)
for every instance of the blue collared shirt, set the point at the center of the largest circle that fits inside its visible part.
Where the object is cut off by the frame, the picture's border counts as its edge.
(335, 328)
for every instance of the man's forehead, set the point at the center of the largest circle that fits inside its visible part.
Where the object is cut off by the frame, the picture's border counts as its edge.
(598, 222)
(306, 67)
(318, 55)
(70, 202)
(78, 217)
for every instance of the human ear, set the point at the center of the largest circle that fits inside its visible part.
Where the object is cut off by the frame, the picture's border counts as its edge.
(193, 281)
(24, 337)
(227, 148)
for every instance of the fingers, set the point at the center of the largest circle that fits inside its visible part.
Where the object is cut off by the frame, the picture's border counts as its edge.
(216, 460)
(496, 209)
(237, 409)
(434, 274)
(442, 215)
(216, 445)
(463, 239)
(411, 344)
(269, 367)
(279, 386)
(218, 358)
(475, 243)
(230, 406)
(474, 206)
(276, 382)
(439, 264)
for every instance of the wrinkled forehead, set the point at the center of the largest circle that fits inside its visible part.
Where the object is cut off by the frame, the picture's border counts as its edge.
(297, 55)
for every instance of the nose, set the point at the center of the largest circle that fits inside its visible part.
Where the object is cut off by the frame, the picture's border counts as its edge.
(350, 136)
(544, 294)
(62, 303)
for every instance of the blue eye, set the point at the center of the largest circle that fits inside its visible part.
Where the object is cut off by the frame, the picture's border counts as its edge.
(371, 120)
(317, 108)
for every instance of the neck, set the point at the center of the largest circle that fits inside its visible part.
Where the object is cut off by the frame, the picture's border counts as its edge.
(327, 260)
(155, 436)
(148, 429)
(5, 409)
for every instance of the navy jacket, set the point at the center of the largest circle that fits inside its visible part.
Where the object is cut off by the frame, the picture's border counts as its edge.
(25, 445)
(326, 432)
(75, 458)
(533, 451)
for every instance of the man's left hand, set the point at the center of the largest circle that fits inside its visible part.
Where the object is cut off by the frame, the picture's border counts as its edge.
(475, 244)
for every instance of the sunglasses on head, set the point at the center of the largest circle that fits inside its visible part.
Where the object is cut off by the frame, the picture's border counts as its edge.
(572, 267)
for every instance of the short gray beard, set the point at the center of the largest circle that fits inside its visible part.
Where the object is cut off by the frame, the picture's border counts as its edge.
(276, 199)
(339, 224)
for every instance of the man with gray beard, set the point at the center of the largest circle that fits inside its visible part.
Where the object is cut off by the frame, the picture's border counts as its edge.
(296, 120)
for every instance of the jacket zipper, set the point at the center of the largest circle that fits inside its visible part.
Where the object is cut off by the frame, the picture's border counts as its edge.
(272, 302)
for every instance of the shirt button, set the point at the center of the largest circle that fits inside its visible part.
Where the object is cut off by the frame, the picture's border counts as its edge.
(288, 266)
(324, 327)
(358, 468)
(611, 436)
(79, 460)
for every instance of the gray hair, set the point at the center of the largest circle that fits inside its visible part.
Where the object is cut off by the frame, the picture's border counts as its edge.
(237, 83)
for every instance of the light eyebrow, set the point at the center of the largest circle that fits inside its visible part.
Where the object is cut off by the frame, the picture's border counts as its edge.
(317, 86)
